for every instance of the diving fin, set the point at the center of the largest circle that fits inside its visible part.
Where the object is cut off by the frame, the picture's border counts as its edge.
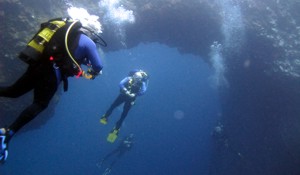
(103, 120)
(112, 136)
(3, 145)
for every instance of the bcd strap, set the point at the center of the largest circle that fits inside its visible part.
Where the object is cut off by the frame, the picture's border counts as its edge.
(66, 83)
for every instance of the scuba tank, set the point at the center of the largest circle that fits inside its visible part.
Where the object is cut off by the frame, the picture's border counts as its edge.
(66, 27)
(34, 50)
(54, 42)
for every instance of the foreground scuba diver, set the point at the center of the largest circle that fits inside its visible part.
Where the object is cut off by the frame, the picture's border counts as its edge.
(135, 84)
(54, 54)
(124, 146)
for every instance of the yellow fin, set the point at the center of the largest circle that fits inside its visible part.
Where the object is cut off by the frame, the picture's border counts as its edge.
(112, 136)
(103, 121)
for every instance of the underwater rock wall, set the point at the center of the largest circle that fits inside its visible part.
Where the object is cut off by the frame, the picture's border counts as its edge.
(260, 117)
(20, 20)
(260, 105)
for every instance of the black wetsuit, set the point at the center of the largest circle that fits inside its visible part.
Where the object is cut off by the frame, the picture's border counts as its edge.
(138, 89)
(42, 79)
(124, 146)
(122, 98)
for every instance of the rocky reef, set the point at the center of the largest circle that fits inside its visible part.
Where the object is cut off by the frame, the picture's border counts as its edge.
(266, 63)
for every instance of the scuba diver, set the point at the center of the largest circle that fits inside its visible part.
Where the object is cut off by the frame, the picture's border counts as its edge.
(135, 84)
(124, 146)
(55, 53)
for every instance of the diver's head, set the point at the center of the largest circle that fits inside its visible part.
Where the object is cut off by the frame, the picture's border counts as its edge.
(140, 76)
(137, 76)
(88, 21)
(91, 30)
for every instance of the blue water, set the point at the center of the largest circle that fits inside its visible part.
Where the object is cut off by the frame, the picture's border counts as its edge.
(172, 122)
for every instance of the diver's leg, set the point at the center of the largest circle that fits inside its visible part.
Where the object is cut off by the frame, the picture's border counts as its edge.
(115, 160)
(107, 156)
(126, 108)
(120, 154)
(107, 171)
(112, 164)
(44, 90)
(110, 154)
(24, 84)
(117, 102)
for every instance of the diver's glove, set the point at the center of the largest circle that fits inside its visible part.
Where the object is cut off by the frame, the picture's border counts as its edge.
(132, 95)
(127, 92)
(90, 74)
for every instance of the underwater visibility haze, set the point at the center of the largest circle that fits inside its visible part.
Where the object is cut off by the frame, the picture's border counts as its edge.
(223, 95)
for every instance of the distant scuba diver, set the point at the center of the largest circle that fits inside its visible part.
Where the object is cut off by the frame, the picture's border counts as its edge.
(54, 54)
(124, 146)
(135, 84)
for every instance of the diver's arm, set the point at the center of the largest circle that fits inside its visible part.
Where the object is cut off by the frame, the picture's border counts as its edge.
(123, 83)
(93, 56)
(143, 89)
(87, 49)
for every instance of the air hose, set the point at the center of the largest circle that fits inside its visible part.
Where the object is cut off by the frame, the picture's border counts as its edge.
(68, 51)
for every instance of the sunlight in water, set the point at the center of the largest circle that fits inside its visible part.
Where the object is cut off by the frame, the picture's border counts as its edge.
(217, 60)
(233, 27)
(87, 20)
(116, 13)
